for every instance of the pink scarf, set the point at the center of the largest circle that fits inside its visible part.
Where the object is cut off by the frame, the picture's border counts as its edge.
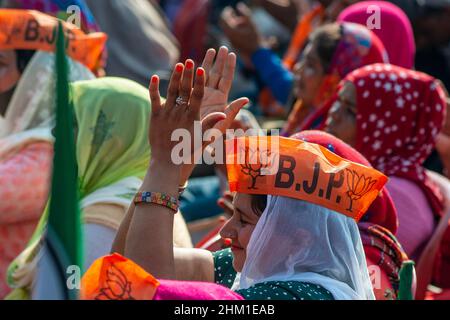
(395, 29)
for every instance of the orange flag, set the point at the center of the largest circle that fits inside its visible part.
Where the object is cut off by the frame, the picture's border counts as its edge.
(301, 170)
(115, 277)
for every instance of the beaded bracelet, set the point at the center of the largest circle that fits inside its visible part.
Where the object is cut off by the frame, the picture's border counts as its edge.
(157, 198)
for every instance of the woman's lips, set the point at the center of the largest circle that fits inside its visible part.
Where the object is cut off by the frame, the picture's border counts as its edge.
(298, 85)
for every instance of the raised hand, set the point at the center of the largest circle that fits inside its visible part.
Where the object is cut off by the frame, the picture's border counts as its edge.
(241, 30)
(179, 111)
(182, 108)
(219, 78)
(285, 11)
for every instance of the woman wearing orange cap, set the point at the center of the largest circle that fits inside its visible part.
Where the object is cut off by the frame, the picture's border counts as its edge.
(283, 246)
(26, 144)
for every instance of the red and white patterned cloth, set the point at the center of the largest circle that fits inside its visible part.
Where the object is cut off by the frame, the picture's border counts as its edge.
(399, 114)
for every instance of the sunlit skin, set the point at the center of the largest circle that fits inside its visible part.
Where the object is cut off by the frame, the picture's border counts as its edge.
(240, 228)
(341, 121)
(309, 74)
(9, 74)
(9, 77)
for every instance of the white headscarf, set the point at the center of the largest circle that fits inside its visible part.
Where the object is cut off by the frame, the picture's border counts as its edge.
(33, 102)
(30, 114)
(296, 240)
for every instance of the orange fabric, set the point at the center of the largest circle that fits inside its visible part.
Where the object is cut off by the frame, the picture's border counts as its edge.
(301, 33)
(115, 277)
(33, 30)
(301, 170)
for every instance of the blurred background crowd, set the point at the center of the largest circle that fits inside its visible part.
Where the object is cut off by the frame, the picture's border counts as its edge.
(291, 58)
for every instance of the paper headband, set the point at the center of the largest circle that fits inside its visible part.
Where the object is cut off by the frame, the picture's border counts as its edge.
(301, 170)
(33, 30)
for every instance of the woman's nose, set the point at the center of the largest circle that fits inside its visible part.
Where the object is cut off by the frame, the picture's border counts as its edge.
(228, 230)
(334, 111)
(299, 69)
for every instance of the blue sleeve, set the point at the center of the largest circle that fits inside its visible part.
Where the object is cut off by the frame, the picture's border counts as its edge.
(272, 72)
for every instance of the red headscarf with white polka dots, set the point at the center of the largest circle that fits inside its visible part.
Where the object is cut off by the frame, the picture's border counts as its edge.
(382, 211)
(400, 112)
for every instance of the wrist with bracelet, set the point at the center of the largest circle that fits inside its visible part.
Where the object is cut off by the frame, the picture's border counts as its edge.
(158, 198)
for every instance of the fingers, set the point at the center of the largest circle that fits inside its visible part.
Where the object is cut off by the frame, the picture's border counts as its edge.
(155, 97)
(221, 73)
(174, 85)
(218, 68)
(187, 80)
(228, 74)
(234, 108)
(244, 11)
(208, 61)
(198, 92)
(228, 18)
(212, 119)
(231, 112)
(225, 22)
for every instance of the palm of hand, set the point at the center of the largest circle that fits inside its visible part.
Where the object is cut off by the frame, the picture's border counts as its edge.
(214, 100)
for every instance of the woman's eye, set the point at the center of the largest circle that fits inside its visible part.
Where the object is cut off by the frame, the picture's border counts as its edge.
(351, 112)
(336, 108)
(309, 70)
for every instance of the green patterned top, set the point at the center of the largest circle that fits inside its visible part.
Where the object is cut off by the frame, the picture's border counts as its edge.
(273, 290)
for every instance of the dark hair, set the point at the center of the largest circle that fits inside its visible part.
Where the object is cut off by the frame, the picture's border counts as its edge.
(326, 38)
(430, 8)
(23, 58)
(259, 203)
(325, 3)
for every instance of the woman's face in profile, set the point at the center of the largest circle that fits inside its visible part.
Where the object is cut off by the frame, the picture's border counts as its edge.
(240, 228)
(9, 74)
(309, 74)
(341, 121)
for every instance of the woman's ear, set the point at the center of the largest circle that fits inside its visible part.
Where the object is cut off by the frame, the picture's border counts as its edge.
(441, 84)
(446, 127)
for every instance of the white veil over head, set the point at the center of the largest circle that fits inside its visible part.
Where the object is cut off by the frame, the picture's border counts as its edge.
(30, 114)
(33, 102)
(295, 240)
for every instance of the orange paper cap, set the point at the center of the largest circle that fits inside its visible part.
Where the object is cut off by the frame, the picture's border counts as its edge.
(33, 30)
(306, 171)
(116, 278)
